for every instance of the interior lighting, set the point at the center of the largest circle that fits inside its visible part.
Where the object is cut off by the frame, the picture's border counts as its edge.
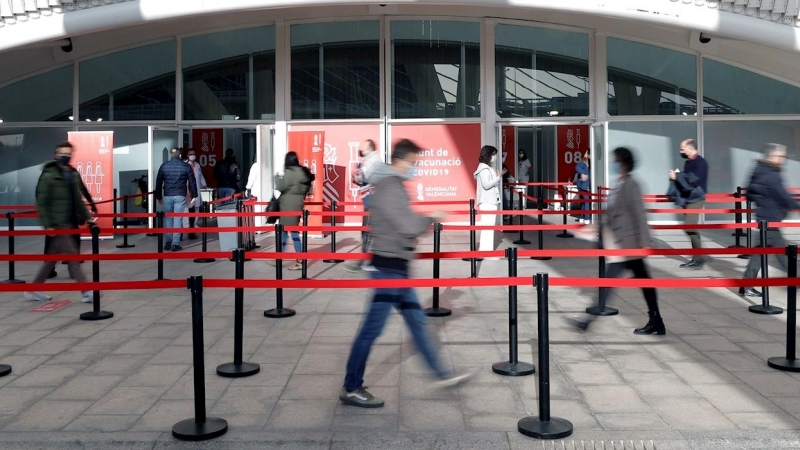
(99, 119)
(236, 118)
(88, 120)
(71, 117)
(553, 113)
(1, 120)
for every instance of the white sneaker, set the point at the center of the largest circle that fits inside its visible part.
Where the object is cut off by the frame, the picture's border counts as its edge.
(369, 268)
(87, 297)
(38, 296)
(453, 380)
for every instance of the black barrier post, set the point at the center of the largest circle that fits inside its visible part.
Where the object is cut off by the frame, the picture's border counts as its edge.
(540, 205)
(11, 277)
(737, 218)
(114, 221)
(334, 206)
(204, 209)
(565, 208)
(304, 263)
(5, 369)
(521, 240)
(279, 310)
(601, 309)
(764, 307)
(749, 232)
(789, 363)
(238, 369)
(239, 224)
(544, 426)
(435, 310)
(472, 239)
(201, 427)
(160, 225)
(124, 224)
(512, 367)
(95, 313)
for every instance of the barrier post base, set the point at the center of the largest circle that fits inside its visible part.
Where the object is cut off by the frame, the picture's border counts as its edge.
(522, 242)
(99, 315)
(743, 256)
(233, 370)
(555, 428)
(189, 430)
(126, 245)
(565, 235)
(470, 259)
(332, 261)
(278, 313)
(736, 246)
(5, 369)
(769, 310)
(510, 369)
(437, 312)
(783, 363)
(12, 281)
(542, 258)
(606, 311)
(204, 260)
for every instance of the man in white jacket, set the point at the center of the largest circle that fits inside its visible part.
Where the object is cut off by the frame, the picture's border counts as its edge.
(370, 162)
(487, 194)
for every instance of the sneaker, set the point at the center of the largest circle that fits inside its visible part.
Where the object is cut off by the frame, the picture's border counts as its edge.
(87, 297)
(361, 398)
(192, 236)
(176, 248)
(353, 267)
(53, 274)
(167, 246)
(369, 268)
(578, 324)
(452, 381)
(38, 296)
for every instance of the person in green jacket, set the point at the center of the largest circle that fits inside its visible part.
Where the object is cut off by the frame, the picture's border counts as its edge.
(61, 207)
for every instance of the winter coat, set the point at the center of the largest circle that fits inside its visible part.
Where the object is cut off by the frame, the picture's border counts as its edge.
(684, 189)
(54, 201)
(487, 191)
(293, 186)
(766, 189)
(582, 169)
(228, 175)
(172, 179)
(625, 222)
(394, 226)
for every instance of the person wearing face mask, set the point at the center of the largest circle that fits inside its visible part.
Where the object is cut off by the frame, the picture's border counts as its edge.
(624, 226)
(395, 229)
(363, 178)
(193, 203)
(294, 185)
(487, 194)
(60, 207)
(773, 204)
(688, 190)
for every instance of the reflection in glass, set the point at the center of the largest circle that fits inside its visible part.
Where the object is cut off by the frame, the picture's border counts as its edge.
(135, 84)
(648, 80)
(435, 69)
(43, 98)
(541, 72)
(336, 70)
(229, 75)
(731, 90)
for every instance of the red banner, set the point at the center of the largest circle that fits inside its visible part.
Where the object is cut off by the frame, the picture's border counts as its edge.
(93, 158)
(341, 161)
(446, 164)
(209, 146)
(509, 148)
(573, 142)
(309, 146)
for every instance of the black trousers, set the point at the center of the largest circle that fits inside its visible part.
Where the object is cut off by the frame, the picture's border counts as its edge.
(192, 219)
(774, 239)
(639, 269)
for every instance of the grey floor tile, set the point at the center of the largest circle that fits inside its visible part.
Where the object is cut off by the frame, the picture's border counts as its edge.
(127, 401)
(48, 415)
(431, 415)
(86, 387)
(246, 401)
(300, 415)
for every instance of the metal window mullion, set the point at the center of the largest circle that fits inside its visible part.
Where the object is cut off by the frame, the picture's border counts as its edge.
(321, 81)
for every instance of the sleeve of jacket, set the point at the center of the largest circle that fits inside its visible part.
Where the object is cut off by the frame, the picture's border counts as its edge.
(85, 192)
(685, 182)
(639, 214)
(784, 196)
(43, 201)
(487, 179)
(159, 188)
(202, 179)
(192, 181)
(582, 168)
(283, 184)
(407, 223)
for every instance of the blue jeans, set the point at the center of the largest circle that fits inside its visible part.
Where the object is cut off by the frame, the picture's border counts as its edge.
(405, 300)
(174, 204)
(298, 246)
(225, 192)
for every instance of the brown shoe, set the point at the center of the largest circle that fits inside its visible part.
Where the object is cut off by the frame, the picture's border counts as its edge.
(297, 266)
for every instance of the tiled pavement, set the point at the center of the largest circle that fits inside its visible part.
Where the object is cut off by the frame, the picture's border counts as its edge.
(123, 383)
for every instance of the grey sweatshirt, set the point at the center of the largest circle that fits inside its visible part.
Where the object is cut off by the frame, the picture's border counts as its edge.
(394, 227)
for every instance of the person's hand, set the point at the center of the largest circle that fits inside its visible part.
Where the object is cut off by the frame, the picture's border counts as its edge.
(191, 202)
(94, 209)
(671, 174)
(505, 171)
(437, 216)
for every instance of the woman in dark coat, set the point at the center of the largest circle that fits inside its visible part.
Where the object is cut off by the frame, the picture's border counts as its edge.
(294, 185)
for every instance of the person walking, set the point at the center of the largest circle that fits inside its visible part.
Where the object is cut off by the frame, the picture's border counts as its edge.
(624, 226)
(172, 180)
(688, 190)
(228, 175)
(60, 207)
(370, 162)
(773, 204)
(487, 194)
(193, 204)
(294, 185)
(395, 229)
(583, 184)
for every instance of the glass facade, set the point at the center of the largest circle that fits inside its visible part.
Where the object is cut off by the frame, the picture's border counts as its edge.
(135, 84)
(541, 72)
(336, 70)
(648, 80)
(229, 75)
(435, 69)
(731, 90)
(43, 98)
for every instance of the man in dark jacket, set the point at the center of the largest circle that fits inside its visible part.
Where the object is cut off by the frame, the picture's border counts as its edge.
(394, 232)
(171, 183)
(773, 203)
(691, 186)
(228, 175)
(60, 207)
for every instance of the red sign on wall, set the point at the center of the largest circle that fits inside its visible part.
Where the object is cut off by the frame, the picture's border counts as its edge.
(209, 146)
(93, 158)
(309, 146)
(446, 164)
(573, 142)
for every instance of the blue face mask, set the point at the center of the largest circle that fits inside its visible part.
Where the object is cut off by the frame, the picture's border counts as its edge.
(409, 173)
(615, 167)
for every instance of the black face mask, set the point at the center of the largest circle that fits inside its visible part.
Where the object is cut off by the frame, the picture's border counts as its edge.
(684, 156)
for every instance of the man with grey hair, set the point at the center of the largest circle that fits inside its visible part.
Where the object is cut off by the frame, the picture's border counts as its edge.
(773, 203)
(172, 181)
(688, 190)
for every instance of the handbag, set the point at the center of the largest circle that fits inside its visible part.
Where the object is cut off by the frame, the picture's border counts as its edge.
(273, 207)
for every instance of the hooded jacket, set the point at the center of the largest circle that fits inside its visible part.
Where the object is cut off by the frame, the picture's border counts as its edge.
(487, 191)
(60, 205)
(766, 189)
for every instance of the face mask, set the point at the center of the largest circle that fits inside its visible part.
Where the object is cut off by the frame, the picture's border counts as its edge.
(64, 160)
(192, 157)
(360, 153)
(684, 156)
(409, 173)
(615, 167)
(494, 158)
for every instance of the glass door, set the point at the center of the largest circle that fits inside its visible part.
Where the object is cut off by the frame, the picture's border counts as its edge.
(597, 166)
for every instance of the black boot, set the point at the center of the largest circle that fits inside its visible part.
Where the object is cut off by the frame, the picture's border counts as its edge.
(654, 325)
